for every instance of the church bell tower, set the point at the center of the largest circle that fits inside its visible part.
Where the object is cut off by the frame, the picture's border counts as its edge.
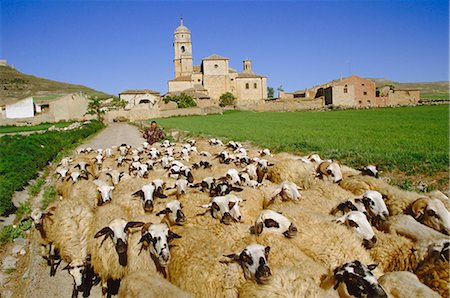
(182, 47)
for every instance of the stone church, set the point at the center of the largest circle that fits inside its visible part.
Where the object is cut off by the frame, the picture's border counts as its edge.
(213, 77)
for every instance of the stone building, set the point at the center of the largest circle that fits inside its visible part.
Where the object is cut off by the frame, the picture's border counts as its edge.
(213, 77)
(135, 97)
(355, 91)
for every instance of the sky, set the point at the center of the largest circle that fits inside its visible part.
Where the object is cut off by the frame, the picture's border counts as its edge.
(113, 46)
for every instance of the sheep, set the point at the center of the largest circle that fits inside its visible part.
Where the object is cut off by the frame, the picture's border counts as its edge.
(181, 187)
(147, 194)
(115, 176)
(292, 169)
(223, 188)
(432, 213)
(354, 279)
(62, 172)
(433, 271)
(358, 221)
(329, 170)
(82, 166)
(45, 224)
(159, 188)
(73, 229)
(370, 170)
(287, 191)
(202, 164)
(405, 245)
(271, 221)
(216, 142)
(262, 168)
(109, 258)
(253, 260)
(376, 208)
(105, 191)
(142, 284)
(355, 204)
(65, 162)
(405, 284)
(251, 171)
(223, 208)
(173, 213)
(233, 177)
(265, 152)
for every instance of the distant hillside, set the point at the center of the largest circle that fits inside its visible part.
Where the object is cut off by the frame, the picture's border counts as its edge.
(15, 85)
(428, 90)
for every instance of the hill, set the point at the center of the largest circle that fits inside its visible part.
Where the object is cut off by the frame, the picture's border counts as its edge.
(428, 90)
(15, 85)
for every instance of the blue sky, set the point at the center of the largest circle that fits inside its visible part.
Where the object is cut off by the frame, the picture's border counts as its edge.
(117, 45)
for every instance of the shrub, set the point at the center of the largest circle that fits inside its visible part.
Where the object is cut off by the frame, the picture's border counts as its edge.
(182, 100)
(12, 232)
(227, 99)
(22, 157)
(49, 196)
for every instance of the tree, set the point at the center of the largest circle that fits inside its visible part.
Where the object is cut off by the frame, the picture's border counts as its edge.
(227, 99)
(118, 103)
(182, 100)
(95, 108)
(270, 92)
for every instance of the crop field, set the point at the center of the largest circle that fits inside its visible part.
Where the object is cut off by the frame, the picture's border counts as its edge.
(42, 126)
(413, 140)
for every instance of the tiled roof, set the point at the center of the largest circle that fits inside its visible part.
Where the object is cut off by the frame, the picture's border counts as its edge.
(215, 57)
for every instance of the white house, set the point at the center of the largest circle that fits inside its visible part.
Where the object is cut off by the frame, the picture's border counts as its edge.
(136, 97)
(22, 109)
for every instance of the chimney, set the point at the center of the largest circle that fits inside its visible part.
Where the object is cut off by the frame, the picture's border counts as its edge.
(247, 65)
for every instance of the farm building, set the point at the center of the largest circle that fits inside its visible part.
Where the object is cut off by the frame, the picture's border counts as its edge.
(50, 108)
(135, 97)
(355, 91)
(213, 77)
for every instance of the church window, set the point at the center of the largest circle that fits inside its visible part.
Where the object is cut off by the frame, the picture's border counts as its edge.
(345, 89)
(247, 86)
(255, 85)
(365, 93)
(198, 80)
(183, 49)
(362, 84)
(216, 66)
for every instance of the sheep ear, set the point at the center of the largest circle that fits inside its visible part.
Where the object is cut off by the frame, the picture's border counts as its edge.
(108, 173)
(270, 164)
(352, 223)
(77, 166)
(104, 231)
(173, 235)
(372, 266)
(145, 227)
(160, 195)
(165, 211)
(121, 174)
(418, 207)
(238, 189)
(267, 251)
(234, 257)
(67, 267)
(138, 193)
(259, 228)
(133, 224)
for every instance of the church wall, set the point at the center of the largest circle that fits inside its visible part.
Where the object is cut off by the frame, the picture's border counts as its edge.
(175, 86)
(251, 94)
(216, 85)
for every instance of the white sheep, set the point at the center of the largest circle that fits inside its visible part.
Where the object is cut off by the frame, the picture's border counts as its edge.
(401, 284)
(269, 221)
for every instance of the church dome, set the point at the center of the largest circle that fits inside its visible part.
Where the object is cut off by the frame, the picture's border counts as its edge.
(182, 28)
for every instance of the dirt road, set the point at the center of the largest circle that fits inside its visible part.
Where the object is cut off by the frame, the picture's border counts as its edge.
(38, 283)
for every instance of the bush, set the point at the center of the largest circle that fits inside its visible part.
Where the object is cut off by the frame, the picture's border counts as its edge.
(12, 232)
(22, 157)
(227, 99)
(49, 196)
(182, 100)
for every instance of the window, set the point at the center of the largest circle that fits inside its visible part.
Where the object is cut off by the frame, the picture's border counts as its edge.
(345, 89)
(198, 80)
(365, 93)
(255, 85)
(183, 49)
(360, 102)
(368, 101)
(362, 84)
(216, 66)
(247, 86)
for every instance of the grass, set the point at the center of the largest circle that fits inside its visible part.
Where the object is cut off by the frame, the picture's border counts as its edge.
(434, 96)
(49, 196)
(11, 232)
(35, 188)
(413, 140)
(42, 126)
(22, 157)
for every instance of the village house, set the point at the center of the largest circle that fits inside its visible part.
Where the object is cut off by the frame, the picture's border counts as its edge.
(52, 108)
(136, 97)
(213, 77)
(355, 91)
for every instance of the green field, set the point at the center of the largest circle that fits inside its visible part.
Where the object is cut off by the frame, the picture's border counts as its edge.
(42, 126)
(413, 140)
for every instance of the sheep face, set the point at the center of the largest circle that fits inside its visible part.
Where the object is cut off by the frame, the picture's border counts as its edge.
(159, 188)
(370, 170)
(331, 170)
(222, 208)
(174, 213)
(117, 231)
(358, 221)
(253, 260)
(223, 188)
(115, 176)
(186, 172)
(157, 237)
(356, 280)
(374, 203)
(105, 193)
(146, 193)
(432, 212)
(440, 250)
(262, 168)
(272, 221)
(76, 270)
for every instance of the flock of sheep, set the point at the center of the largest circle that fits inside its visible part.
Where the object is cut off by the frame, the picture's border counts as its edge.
(208, 219)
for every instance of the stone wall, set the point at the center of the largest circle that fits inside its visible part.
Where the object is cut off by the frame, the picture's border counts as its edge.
(69, 107)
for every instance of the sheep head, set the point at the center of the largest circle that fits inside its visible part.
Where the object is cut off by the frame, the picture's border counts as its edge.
(254, 261)
(355, 279)
(432, 212)
(358, 221)
(117, 231)
(174, 213)
(272, 221)
(158, 238)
